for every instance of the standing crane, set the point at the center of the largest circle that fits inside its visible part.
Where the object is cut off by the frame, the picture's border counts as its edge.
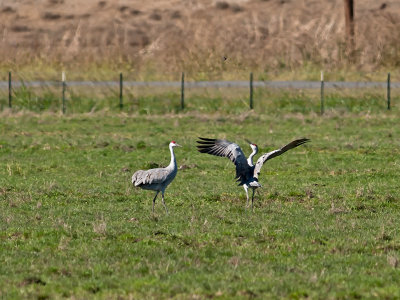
(157, 179)
(246, 172)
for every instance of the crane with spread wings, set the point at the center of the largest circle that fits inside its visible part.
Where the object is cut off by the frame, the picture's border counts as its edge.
(246, 172)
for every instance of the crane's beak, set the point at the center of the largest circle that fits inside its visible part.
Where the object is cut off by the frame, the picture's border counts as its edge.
(247, 141)
(177, 145)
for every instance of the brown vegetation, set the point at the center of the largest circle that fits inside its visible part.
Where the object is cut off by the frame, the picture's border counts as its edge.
(171, 35)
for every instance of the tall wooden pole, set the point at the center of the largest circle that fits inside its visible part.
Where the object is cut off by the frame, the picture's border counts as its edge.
(251, 90)
(9, 90)
(183, 91)
(322, 93)
(64, 87)
(388, 91)
(121, 88)
(349, 20)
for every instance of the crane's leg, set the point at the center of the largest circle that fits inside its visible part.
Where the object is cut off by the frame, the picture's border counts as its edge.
(252, 200)
(163, 202)
(154, 201)
(246, 188)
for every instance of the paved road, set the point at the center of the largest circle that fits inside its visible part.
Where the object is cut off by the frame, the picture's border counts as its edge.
(212, 84)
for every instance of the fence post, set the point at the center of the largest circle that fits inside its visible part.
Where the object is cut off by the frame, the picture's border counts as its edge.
(121, 80)
(322, 93)
(251, 90)
(388, 91)
(183, 91)
(64, 86)
(9, 90)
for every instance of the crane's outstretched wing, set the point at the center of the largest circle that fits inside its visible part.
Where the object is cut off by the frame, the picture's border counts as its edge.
(275, 153)
(226, 149)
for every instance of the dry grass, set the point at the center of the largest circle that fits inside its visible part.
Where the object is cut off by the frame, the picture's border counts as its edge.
(169, 36)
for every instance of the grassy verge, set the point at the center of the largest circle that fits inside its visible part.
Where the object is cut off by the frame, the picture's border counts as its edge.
(325, 223)
(161, 100)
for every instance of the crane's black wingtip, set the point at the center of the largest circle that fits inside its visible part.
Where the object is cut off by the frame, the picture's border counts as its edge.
(206, 139)
(208, 144)
(203, 150)
(303, 141)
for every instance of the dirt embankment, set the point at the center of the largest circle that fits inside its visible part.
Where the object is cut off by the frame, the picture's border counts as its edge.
(196, 34)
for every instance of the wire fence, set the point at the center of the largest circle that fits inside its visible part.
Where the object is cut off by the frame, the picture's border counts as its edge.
(41, 95)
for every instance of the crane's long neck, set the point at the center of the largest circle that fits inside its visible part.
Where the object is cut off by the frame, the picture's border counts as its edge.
(250, 159)
(172, 164)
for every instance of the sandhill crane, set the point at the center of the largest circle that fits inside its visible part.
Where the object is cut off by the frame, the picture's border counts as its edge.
(246, 172)
(157, 179)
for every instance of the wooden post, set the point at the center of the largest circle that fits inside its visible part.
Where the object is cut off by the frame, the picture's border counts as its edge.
(388, 91)
(183, 91)
(322, 93)
(121, 104)
(64, 86)
(349, 20)
(9, 90)
(251, 90)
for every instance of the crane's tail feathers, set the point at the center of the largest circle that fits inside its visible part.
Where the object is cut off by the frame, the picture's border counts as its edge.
(136, 182)
(138, 178)
(255, 184)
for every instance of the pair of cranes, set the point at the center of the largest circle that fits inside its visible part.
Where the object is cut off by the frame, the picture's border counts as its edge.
(246, 172)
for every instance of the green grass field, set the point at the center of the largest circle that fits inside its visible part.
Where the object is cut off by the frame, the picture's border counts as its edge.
(325, 223)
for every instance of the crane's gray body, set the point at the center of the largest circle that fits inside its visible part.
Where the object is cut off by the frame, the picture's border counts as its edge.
(154, 179)
(157, 179)
(246, 172)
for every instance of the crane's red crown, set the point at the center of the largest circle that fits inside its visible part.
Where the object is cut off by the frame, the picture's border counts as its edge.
(173, 142)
